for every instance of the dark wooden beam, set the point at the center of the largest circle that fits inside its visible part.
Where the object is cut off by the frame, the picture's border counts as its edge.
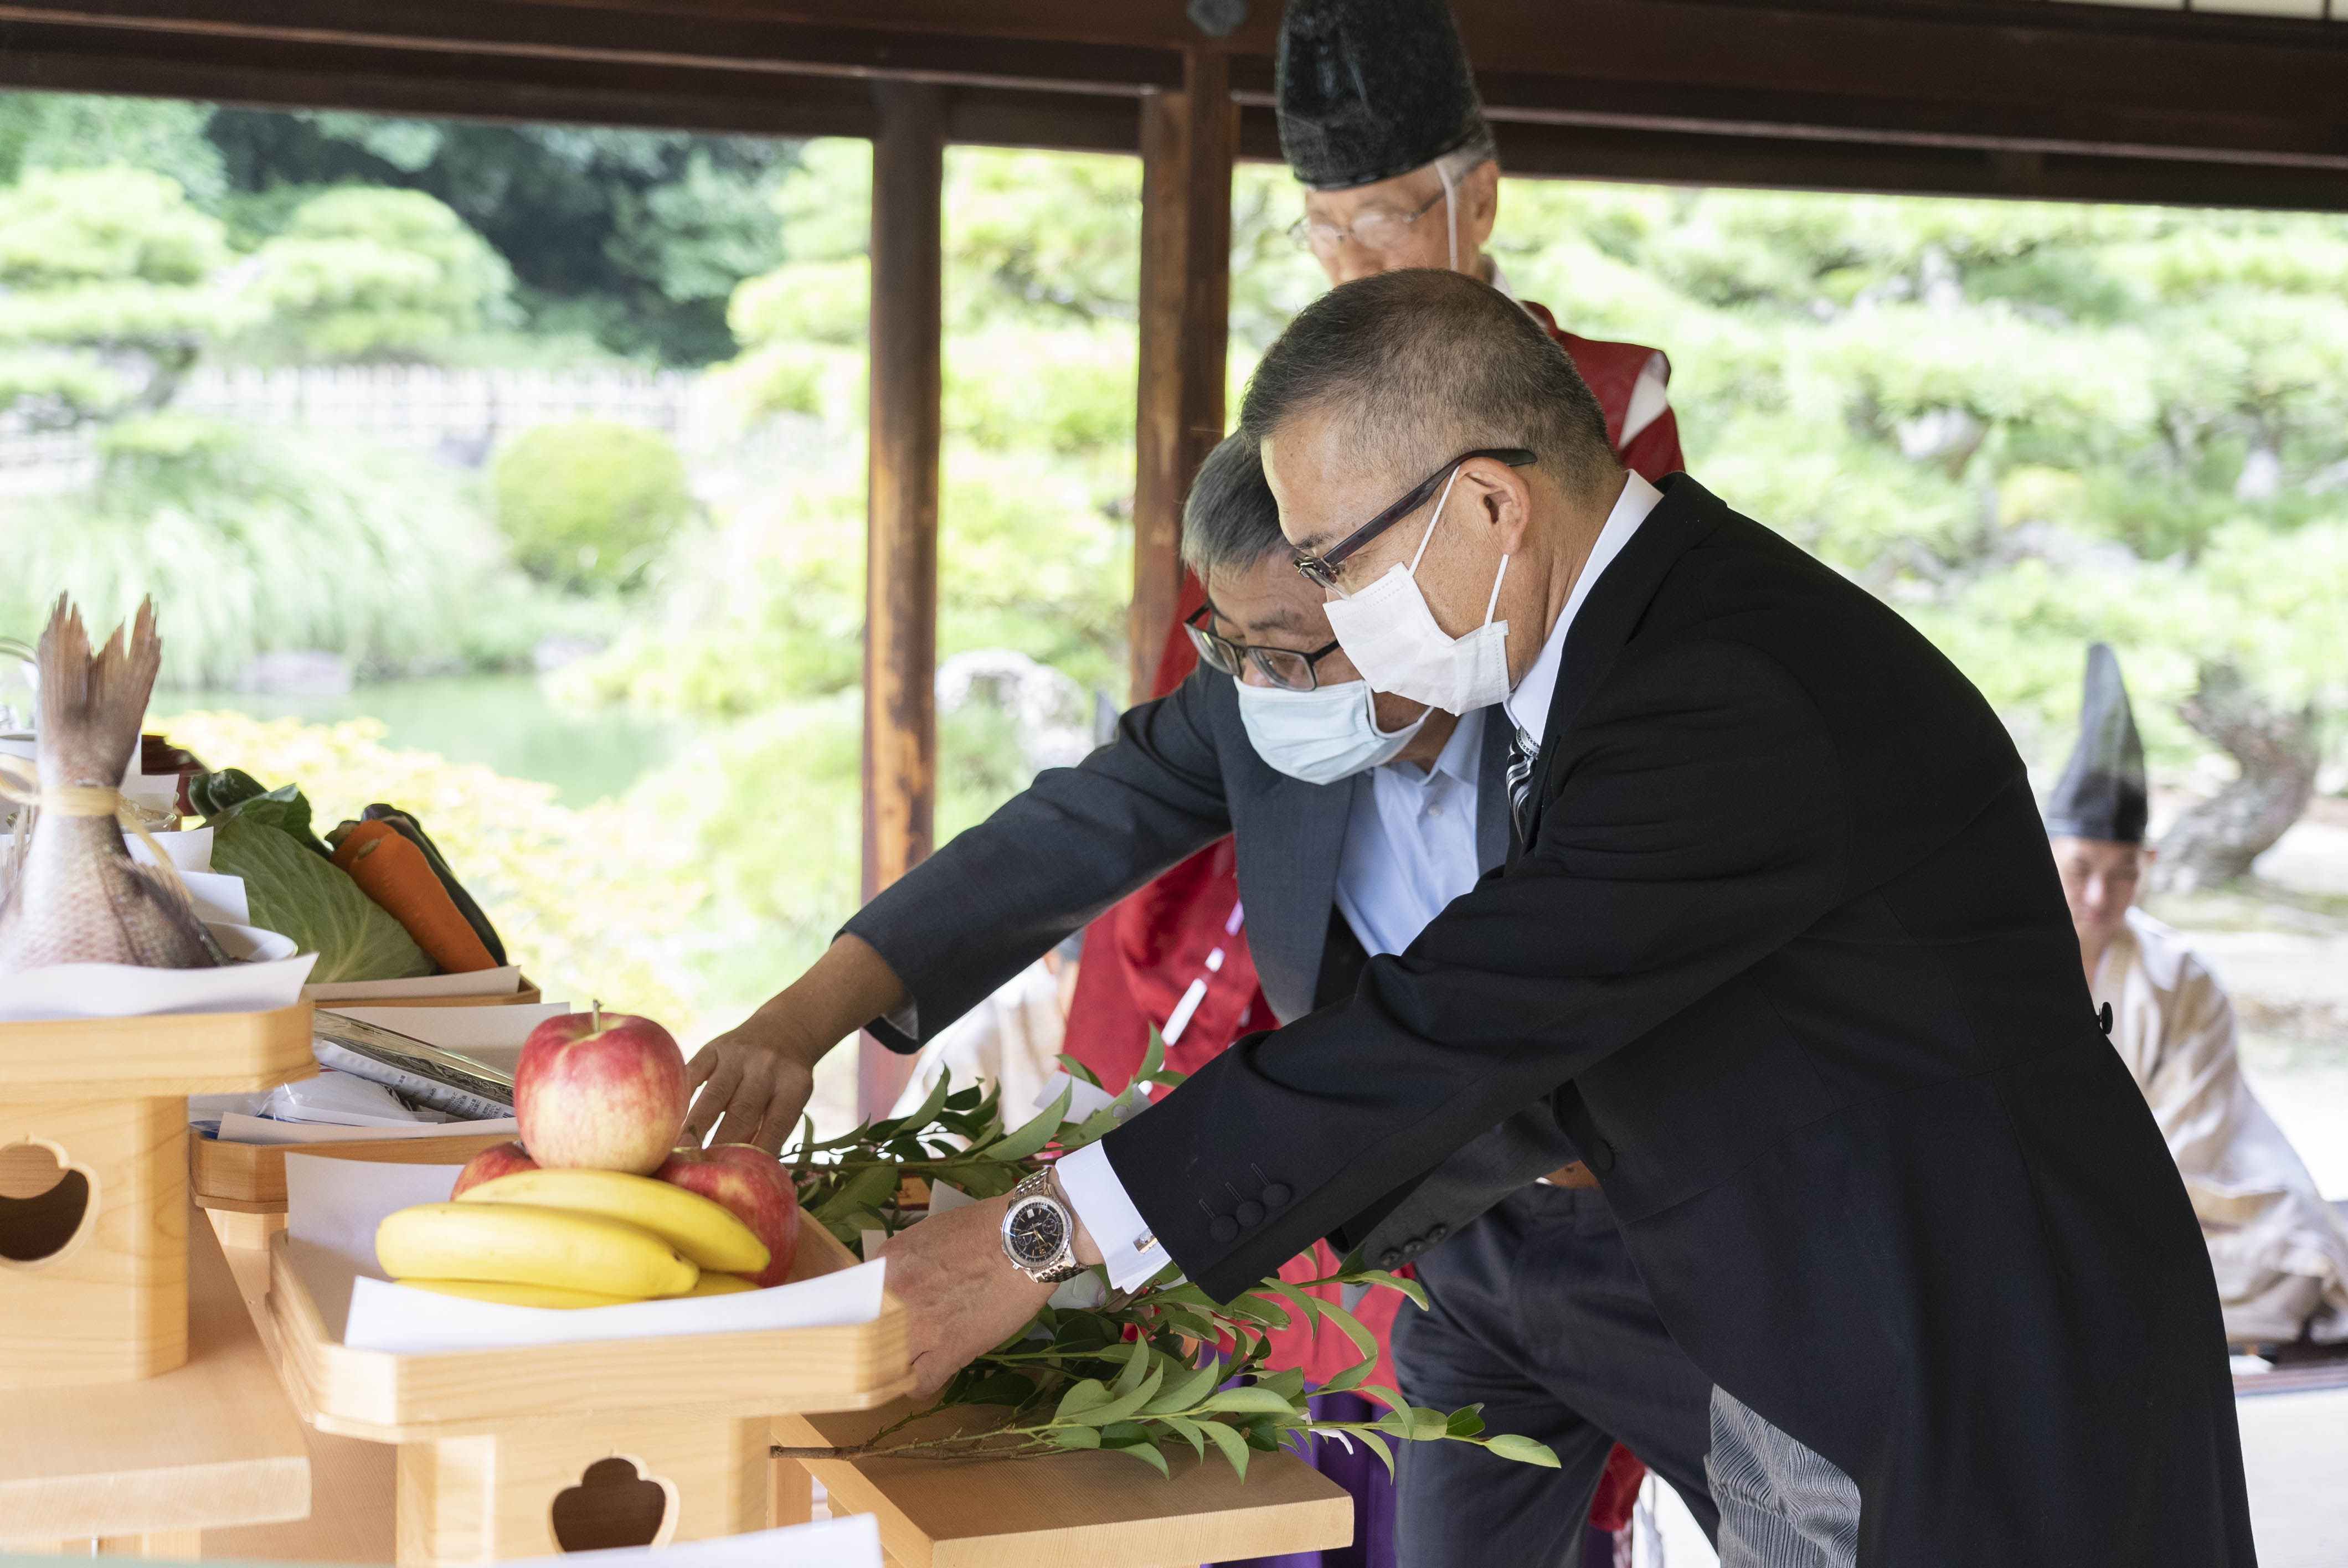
(1187, 141)
(901, 561)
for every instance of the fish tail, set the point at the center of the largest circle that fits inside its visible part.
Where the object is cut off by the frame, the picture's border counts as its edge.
(91, 707)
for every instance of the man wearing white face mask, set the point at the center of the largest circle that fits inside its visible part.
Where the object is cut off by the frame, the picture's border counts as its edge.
(1357, 819)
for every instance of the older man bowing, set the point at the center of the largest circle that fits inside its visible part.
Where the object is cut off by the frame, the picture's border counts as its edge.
(1779, 942)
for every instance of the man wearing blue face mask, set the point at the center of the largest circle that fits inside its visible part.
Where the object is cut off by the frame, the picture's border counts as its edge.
(1357, 819)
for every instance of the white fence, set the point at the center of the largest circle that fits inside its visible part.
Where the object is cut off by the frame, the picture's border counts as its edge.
(459, 415)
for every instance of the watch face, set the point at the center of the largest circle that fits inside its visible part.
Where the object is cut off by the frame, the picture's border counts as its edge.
(1036, 1232)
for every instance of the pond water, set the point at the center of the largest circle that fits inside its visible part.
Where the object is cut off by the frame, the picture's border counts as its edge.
(502, 721)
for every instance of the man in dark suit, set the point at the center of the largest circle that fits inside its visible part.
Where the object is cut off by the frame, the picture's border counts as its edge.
(1779, 941)
(1356, 817)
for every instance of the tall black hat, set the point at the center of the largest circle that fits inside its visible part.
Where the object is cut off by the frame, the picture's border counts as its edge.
(1372, 89)
(2102, 793)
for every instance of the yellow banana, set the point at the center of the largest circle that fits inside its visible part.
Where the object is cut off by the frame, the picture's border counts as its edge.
(509, 1294)
(529, 1245)
(704, 1231)
(720, 1284)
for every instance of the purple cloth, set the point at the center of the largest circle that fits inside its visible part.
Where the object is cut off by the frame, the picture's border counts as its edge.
(1360, 1472)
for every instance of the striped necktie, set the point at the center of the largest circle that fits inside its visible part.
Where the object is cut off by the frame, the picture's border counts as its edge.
(1523, 750)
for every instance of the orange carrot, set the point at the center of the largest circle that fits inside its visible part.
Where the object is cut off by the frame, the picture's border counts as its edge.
(395, 873)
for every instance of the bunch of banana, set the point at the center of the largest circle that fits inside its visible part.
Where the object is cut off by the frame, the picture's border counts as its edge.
(570, 1238)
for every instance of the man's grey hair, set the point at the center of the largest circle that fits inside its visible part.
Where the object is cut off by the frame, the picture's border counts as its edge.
(1423, 364)
(1230, 523)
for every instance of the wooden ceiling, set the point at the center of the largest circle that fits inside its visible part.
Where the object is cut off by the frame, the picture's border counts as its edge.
(2005, 98)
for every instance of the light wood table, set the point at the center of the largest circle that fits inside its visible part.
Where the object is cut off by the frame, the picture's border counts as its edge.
(1074, 1509)
(143, 1467)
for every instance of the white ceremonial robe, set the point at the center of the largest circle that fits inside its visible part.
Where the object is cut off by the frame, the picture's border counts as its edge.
(1013, 1039)
(2280, 1251)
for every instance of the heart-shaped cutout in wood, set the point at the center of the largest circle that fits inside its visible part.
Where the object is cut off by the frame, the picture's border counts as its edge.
(45, 1204)
(615, 1504)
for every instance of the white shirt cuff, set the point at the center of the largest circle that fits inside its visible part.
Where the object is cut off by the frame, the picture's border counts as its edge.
(1127, 1247)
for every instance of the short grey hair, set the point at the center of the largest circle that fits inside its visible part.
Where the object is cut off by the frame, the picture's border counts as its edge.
(1231, 522)
(1425, 364)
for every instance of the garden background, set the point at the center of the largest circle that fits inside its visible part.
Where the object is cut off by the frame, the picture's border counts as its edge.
(613, 660)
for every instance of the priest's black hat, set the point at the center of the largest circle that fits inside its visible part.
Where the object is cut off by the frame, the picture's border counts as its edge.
(1372, 89)
(2102, 793)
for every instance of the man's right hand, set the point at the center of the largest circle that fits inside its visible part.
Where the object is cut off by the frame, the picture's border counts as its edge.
(755, 1081)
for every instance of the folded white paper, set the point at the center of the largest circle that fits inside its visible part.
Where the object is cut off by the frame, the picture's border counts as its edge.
(850, 1543)
(271, 977)
(501, 982)
(190, 849)
(335, 1204)
(236, 1127)
(219, 898)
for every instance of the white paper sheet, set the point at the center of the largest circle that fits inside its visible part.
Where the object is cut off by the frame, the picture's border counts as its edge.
(850, 1543)
(336, 1205)
(127, 990)
(1084, 1098)
(237, 1127)
(190, 849)
(493, 1036)
(501, 982)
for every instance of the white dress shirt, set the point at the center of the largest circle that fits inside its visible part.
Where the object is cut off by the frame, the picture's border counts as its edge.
(1090, 1182)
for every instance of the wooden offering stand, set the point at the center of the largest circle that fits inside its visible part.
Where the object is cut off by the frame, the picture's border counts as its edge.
(1075, 1510)
(242, 1185)
(143, 1467)
(94, 1181)
(525, 1453)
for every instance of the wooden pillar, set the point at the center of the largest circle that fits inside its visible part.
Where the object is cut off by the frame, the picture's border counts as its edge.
(1188, 139)
(901, 585)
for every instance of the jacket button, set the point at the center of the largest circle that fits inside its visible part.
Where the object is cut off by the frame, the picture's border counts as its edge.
(1224, 1228)
(1603, 1155)
(1250, 1213)
(1437, 1233)
(1276, 1194)
(1414, 1246)
(1389, 1257)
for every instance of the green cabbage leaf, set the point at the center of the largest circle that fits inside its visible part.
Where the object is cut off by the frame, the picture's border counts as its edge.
(294, 892)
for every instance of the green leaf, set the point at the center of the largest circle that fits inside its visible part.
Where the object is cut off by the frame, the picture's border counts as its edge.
(1382, 1395)
(1118, 1410)
(1078, 1071)
(1075, 1436)
(1426, 1426)
(1253, 1398)
(929, 1110)
(1410, 1288)
(1229, 1439)
(1187, 1393)
(1464, 1422)
(1365, 1342)
(1089, 1394)
(1348, 1379)
(1523, 1449)
(1307, 1308)
(1184, 1427)
(1136, 1367)
(1380, 1447)
(1032, 1135)
(1147, 1454)
(1124, 1435)
(1154, 1058)
(1287, 1383)
(1091, 1130)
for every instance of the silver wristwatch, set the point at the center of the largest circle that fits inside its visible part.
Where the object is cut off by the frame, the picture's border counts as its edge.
(1039, 1233)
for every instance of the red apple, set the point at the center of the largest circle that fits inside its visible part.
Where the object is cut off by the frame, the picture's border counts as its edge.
(604, 1090)
(754, 1186)
(497, 1160)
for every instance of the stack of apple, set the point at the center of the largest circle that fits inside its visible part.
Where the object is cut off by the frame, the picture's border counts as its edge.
(597, 1204)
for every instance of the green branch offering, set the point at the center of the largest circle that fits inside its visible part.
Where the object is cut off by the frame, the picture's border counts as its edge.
(1135, 1374)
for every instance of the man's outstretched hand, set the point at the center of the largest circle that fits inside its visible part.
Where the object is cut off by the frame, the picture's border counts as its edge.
(962, 1294)
(755, 1081)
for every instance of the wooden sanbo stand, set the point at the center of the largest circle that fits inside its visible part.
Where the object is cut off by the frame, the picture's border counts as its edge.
(94, 1181)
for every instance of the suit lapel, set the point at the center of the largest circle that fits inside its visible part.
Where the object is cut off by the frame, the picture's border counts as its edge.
(1287, 914)
(1608, 616)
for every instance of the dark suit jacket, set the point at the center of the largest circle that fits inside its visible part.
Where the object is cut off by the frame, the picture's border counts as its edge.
(1181, 774)
(1788, 954)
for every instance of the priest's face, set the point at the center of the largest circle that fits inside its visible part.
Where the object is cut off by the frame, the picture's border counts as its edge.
(2099, 882)
(1400, 222)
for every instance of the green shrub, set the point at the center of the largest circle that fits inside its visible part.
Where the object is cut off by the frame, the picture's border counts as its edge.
(589, 503)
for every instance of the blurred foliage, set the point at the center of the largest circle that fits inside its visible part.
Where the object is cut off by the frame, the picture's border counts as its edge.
(623, 243)
(253, 539)
(582, 914)
(590, 502)
(361, 273)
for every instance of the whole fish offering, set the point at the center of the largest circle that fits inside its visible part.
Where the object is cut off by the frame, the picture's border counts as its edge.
(79, 899)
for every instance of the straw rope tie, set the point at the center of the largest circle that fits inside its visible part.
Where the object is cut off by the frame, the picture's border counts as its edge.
(89, 800)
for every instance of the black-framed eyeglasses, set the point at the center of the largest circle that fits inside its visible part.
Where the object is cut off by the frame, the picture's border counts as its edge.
(1377, 229)
(1288, 668)
(1322, 569)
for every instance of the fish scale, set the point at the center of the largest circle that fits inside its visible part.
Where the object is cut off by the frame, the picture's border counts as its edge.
(79, 899)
